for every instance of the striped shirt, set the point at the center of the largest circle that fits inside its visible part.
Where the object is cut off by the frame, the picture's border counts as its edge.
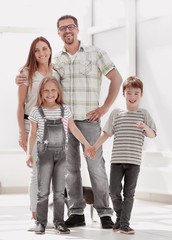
(81, 78)
(128, 138)
(52, 114)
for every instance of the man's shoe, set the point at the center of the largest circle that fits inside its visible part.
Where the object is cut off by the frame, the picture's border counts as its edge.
(106, 222)
(40, 229)
(116, 226)
(126, 229)
(75, 220)
(61, 228)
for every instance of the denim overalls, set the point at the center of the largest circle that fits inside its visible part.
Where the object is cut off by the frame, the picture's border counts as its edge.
(51, 164)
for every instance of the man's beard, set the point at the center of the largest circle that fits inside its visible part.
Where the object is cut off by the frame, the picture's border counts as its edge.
(69, 40)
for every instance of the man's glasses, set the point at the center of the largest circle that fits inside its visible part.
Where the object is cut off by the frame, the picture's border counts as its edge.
(70, 27)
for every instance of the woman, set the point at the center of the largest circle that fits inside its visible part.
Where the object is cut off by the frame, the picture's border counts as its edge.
(38, 66)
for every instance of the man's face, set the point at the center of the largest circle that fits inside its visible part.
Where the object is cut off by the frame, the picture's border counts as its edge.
(68, 34)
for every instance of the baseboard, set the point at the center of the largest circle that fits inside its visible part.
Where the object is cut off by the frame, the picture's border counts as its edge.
(13, 190)
(156, 197)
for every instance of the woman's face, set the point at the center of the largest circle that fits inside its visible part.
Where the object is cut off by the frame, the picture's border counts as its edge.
(42, 53)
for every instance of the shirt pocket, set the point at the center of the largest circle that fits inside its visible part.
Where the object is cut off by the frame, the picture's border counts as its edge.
(85, 67)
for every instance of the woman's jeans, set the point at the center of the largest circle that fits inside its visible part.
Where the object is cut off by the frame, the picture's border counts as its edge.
(33, 188)
(129, 173)
(96, 169)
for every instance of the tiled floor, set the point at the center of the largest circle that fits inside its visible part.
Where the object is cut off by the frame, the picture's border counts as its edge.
(151, 221)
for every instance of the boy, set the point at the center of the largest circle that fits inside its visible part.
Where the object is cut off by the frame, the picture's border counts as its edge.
(129, 128)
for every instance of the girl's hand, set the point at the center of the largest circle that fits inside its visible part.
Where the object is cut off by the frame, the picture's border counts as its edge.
(29, 161)
(23, 137)
(90, 151)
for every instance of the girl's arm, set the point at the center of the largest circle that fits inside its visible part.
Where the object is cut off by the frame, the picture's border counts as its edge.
(31, 142)
(22, 93)
(77, 133)
(150, 133)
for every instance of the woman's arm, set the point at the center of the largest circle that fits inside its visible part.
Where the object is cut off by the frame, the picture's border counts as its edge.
(31, 142)
(22, 93)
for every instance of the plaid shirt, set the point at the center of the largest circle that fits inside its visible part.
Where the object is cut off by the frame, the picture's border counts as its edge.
(81, 77)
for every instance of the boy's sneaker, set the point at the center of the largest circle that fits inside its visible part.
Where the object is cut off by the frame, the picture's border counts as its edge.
(62, 229)
(126, 229)
(75, 220)
(32, 225)
(40, 229)
(116, 226)
(106, 222)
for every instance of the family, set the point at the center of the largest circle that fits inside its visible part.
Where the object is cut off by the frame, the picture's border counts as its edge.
(58, 109)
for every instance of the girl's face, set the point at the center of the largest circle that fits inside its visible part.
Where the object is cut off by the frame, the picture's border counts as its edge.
(42, 52)
(50, 92)
(132, 97)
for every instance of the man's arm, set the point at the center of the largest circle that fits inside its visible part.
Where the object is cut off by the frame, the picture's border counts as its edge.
(116, 80)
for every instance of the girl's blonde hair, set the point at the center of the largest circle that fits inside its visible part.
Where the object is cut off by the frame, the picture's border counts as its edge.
(31, 64)
(46, 79)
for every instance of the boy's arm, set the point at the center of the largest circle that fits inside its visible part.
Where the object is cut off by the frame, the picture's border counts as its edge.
(149, 132)
(31, 142)
(77, 133)
(101, 140)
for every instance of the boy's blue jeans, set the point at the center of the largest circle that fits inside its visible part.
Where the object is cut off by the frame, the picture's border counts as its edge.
(123, 206)
(96, 169)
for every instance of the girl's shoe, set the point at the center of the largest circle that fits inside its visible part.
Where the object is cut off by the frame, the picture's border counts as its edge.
(32, 225)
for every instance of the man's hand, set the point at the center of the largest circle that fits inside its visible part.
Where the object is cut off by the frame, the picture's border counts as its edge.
(97, 114)
(20, 79)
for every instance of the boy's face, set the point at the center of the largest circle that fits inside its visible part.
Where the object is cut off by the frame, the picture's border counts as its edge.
(132, 96)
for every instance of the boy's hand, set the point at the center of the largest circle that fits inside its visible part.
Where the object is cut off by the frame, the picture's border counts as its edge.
(29, 161)
(141, 124)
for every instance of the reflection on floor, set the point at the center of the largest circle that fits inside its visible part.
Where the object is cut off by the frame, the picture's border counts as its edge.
(151, 221)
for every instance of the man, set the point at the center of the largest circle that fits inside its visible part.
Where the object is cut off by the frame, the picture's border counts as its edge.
(81, 68)
(80, 71)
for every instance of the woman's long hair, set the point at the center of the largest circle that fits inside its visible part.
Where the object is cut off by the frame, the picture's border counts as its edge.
(46, 79)
(31, 64)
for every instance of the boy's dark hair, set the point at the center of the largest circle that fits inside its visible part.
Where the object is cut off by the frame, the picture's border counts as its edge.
(67, 17)
(134, 82)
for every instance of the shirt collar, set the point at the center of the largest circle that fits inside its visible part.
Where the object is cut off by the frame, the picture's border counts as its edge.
(82, 48)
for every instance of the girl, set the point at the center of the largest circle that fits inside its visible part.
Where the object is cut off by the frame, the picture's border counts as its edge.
(49, 121)
(37, 66)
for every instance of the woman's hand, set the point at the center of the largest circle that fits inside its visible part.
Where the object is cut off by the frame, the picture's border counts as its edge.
(29, 161)
(23, 138)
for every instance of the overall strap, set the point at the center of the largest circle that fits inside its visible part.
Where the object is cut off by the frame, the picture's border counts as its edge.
(41, 112)
(62, 110)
